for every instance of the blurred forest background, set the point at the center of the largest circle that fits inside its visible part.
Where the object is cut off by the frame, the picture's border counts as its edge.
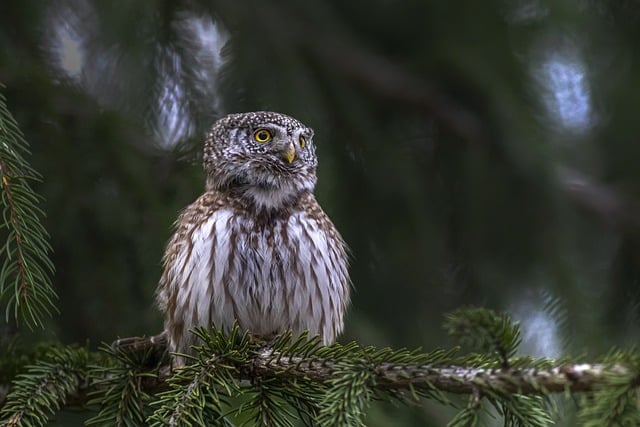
(470, 152)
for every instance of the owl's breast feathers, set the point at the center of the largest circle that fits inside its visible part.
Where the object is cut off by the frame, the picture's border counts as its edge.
(269, 270)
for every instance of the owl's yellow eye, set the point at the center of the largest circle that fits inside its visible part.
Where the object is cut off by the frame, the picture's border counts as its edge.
(303, 141)
(262, 135)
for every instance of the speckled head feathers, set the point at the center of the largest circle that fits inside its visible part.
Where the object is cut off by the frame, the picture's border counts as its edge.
(260, 152)
(256, 118)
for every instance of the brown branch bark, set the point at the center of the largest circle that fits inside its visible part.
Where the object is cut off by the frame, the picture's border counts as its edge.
(450, 379)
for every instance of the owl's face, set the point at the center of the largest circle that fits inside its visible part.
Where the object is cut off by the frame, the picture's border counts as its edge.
(268, 156)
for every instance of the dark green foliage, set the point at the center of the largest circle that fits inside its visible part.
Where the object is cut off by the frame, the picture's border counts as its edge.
(43, 388)
(14, 357)
(25, 284)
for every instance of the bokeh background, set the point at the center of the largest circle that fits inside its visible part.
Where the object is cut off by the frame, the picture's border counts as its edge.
(471, 153)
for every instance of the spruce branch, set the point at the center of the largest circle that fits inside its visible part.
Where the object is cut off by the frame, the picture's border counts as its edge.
(457, 379)
(231, 379)
(25, 285)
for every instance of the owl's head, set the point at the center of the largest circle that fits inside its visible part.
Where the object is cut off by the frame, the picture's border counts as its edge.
(269, 157)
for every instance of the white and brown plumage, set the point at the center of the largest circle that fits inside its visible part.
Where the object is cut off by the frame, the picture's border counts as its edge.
(256, 247)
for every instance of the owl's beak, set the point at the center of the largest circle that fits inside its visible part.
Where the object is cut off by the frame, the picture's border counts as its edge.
(289, 153)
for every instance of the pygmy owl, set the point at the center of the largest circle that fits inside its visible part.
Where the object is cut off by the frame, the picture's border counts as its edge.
(256, 247)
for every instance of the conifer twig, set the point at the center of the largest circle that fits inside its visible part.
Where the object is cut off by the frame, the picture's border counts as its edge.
(25, 284)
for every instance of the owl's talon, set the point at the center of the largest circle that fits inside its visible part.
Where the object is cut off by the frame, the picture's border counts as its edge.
(139, 343)
(267, 341)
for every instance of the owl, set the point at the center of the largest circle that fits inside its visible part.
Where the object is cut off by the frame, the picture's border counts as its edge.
(256, 248)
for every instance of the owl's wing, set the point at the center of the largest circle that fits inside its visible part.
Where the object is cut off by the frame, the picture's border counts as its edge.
(192, 216)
